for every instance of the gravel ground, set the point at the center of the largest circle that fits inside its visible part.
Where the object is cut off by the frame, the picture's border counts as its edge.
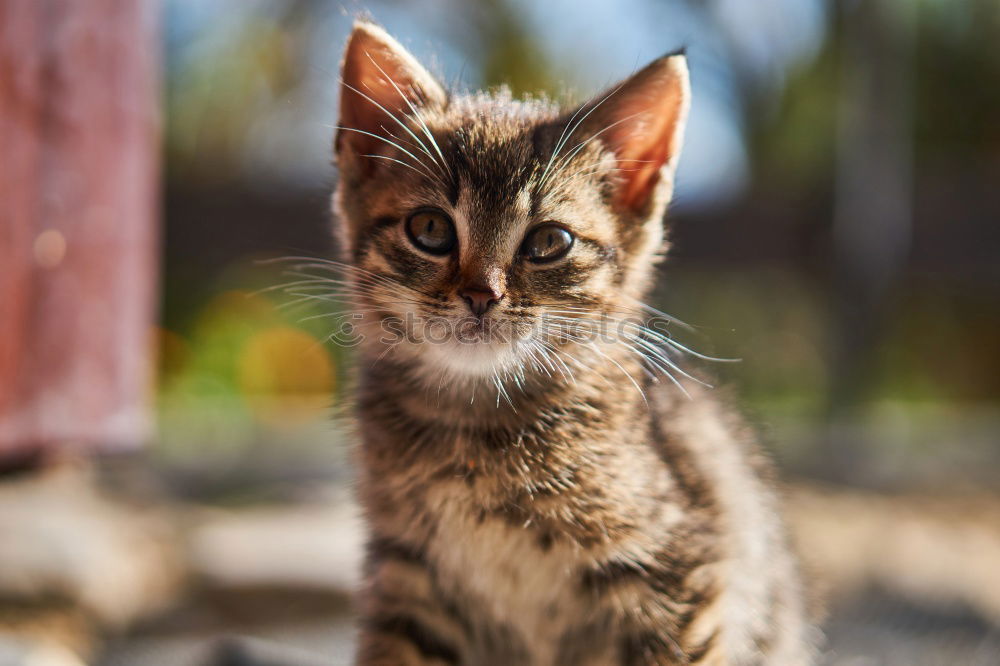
(875, 630)
(326, 642)
(878, 630)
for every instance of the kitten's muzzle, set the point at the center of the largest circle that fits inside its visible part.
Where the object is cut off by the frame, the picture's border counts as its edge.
(480, 299)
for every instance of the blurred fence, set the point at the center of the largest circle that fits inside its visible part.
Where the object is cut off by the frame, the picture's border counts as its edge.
(78, 200)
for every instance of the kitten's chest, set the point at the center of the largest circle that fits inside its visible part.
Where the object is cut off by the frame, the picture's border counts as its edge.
(522, 588)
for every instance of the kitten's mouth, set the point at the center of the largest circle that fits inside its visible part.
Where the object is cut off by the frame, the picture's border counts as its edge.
(477, 330)
(474, 347)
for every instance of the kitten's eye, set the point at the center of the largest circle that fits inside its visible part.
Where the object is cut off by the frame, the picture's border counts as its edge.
(431, 231)
(547, 242)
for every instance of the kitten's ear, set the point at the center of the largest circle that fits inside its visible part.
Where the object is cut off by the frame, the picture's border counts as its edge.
(642, 122)
(381, 82)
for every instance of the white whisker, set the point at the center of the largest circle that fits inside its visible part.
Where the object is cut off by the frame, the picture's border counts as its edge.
(416, 114)
(390, 114)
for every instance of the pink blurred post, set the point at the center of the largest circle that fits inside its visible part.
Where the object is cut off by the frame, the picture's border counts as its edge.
(79, 126)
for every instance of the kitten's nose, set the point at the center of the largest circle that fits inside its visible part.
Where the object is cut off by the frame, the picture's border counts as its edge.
(479, 299)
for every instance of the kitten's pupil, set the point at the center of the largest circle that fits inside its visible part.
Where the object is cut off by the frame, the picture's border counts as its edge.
(547, 243)
(431, 231)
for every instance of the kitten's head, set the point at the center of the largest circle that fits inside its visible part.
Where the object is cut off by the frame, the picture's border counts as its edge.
(475, 223)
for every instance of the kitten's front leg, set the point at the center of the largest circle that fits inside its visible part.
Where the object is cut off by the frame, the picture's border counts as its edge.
(403, 622)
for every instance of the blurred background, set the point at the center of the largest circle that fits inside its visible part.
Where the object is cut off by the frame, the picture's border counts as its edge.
(836, 225)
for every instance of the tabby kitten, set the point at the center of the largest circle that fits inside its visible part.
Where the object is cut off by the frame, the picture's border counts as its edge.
(538, 490)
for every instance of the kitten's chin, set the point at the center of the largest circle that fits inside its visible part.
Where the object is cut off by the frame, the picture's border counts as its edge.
(471, 360)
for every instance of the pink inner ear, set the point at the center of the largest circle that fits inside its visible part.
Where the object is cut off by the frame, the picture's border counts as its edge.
(362, 78)
(647, 142)
(378, 72)
(642, 122)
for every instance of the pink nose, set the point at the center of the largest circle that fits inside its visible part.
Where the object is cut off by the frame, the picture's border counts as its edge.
(479, 299)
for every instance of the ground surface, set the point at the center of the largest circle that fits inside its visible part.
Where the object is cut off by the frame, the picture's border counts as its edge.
(874, 630)
(910, 580)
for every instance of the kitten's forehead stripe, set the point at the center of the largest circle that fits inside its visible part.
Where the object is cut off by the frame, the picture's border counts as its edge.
(494, 166)
(497, 172)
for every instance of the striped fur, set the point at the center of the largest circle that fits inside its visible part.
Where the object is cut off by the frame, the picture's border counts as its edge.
(544, 501)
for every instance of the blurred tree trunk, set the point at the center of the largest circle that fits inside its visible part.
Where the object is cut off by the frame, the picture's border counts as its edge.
(79, 123)
(872, 208)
